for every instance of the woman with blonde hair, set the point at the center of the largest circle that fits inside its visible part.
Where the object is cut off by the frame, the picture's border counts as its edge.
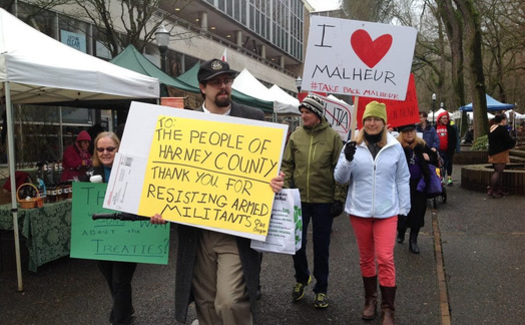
(418, 155)
(118, 275)
(376, 170)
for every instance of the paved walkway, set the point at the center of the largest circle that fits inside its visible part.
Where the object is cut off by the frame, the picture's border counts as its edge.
(476, 276)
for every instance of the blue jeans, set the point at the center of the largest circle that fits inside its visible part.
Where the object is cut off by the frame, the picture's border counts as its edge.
(322, 221)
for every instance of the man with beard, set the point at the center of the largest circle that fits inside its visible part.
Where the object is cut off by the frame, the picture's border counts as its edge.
(219, 272)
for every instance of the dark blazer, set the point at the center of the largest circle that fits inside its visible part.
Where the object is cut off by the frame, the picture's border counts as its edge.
(188, 241)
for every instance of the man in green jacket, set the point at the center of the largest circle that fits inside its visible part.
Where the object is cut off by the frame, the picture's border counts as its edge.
(309, 160)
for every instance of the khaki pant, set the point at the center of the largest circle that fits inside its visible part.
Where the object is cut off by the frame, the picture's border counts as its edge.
(220, 293)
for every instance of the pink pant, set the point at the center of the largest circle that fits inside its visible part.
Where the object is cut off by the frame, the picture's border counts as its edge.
(376, 238)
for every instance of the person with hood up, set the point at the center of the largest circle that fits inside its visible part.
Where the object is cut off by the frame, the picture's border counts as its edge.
(448, 136)
(377, 172)
(76, 159)
(308, 164)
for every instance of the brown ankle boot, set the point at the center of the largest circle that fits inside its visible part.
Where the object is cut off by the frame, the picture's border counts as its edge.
(369, 311)
(388, 296)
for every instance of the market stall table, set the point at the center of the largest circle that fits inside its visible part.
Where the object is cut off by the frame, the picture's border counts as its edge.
(47, 230)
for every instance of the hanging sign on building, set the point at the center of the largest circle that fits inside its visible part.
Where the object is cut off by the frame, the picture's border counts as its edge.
(358, 58)
(74, 40)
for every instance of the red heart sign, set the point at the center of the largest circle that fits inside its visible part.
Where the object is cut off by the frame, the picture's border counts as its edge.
(370, 52)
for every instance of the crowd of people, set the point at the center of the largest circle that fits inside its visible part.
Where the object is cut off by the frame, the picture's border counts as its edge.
(375, 178)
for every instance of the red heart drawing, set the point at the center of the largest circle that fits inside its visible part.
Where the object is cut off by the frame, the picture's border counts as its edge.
(370, 52)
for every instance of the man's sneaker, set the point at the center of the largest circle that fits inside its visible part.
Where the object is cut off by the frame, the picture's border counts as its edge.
(449, 182)
(320, 300)
(298, 290)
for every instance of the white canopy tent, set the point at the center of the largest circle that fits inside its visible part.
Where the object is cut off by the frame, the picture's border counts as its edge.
(332, 97)
(283, 97)
(515, 114)
(431, 114)
(35, 68)
(247, 84)
(471, 115)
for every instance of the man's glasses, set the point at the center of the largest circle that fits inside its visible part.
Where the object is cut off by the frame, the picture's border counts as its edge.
(108, 149)
(219, 82)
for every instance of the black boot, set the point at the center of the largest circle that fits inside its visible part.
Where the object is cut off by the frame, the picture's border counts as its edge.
(413, 242)
(369, 311)
(388, 296)
(401, 235)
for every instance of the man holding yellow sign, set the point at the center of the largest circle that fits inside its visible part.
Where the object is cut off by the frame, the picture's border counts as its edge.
(219, 270)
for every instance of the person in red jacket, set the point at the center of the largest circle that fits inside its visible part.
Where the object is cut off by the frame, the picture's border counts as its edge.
(447, 134)
(76, 159)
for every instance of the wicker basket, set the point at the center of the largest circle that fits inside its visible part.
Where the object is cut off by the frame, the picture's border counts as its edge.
(30, 203)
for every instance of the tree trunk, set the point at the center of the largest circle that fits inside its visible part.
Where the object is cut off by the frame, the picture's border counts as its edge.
(474, 65)
(453, 26)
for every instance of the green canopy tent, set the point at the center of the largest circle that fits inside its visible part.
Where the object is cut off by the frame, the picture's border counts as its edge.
(132, 59)
(190, 78)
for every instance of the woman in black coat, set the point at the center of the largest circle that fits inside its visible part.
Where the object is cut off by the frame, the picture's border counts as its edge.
(500, 143)
(118, 275)
(418, 155)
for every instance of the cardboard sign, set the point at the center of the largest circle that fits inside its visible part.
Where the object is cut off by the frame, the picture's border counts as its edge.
(113, 240)
(398, 112)
(206, 170)
(358, 58)
(339, 115)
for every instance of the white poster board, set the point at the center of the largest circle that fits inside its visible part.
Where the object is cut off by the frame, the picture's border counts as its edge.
(338, 114)
(205, 170)
(358, 58)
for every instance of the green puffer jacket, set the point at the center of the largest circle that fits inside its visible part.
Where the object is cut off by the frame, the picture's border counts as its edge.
(309, 161)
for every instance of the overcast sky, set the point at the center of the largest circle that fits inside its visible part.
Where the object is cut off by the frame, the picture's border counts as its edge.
(320, 5)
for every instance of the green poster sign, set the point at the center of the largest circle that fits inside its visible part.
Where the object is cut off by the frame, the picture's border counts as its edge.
(109, 239)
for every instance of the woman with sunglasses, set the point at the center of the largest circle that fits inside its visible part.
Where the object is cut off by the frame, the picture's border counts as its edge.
(117, 274)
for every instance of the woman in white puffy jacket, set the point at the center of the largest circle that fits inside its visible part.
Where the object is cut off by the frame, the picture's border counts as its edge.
(376, 170)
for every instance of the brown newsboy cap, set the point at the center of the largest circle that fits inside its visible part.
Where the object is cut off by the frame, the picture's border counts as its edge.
(213, 68)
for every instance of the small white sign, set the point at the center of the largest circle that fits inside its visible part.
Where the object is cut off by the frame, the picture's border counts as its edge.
(339, 114)
(358, 58)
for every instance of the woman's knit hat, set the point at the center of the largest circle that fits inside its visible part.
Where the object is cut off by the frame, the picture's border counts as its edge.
(83, 136)
(314, 104)
(375, 109)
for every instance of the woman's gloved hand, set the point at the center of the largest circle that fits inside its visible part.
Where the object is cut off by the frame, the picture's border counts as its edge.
(350, 148)
(337, 208)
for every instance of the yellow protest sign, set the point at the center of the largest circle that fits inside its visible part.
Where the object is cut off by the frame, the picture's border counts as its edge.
(212, 174)
(205, 170)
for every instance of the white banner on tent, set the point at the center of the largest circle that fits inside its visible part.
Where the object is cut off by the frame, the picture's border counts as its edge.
(358, 58)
